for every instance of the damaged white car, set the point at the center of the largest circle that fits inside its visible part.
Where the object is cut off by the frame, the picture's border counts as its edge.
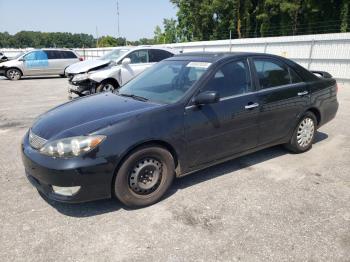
(113, 70)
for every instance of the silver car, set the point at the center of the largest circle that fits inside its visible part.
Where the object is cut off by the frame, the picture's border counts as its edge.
(114, 69)
(39, 62)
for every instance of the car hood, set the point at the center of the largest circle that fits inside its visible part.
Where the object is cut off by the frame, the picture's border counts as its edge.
(86, 66)
(8, 63)
(87, 115)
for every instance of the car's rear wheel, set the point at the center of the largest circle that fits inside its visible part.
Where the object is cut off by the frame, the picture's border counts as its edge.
(304, 134)
(144, 176)
(107, 86)
(13, 74)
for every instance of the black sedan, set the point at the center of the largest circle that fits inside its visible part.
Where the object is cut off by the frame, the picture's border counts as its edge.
(184, 114)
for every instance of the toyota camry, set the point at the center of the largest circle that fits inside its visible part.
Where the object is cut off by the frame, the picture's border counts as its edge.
(183, 114)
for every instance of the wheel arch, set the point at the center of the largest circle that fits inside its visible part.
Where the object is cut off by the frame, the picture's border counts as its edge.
(111, 79)
(150, 143)
(14, 67)
(317, 113)
(140, 145)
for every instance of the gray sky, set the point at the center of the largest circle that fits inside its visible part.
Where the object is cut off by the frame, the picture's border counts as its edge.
(138, 18)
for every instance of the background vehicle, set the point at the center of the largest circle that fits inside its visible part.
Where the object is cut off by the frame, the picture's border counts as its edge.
(114, 69)
(184, 114)
(3, 58)
(39, 62)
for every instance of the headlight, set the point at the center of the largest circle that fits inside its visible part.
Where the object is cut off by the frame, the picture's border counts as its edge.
(80, 77)
(72, 146)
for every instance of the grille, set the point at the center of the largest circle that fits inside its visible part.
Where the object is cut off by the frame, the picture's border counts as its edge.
(35, 141)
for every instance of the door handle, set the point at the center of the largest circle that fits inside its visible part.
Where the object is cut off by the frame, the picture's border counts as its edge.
(303, 93)
(251, 106)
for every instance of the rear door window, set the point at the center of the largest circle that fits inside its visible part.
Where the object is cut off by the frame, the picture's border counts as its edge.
(294, 76)
(156, 55)
(68, 55)
(52, 54)
(271, 73)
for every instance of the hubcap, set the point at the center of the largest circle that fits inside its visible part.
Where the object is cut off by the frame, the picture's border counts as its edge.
(14, 74)
(305, 132)
(108, 88)
(145, 176)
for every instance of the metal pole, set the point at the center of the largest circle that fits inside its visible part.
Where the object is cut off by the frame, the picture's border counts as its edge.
(96, 37)
(310, 54)
(265, 47)
(230, 40)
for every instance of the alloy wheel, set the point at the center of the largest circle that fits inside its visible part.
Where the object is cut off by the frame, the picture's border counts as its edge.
(13, 74)
(305, 132)
(108, 88)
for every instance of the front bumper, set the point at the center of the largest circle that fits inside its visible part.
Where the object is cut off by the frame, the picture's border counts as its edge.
(82, 88)
(94, 176)
(2, 71)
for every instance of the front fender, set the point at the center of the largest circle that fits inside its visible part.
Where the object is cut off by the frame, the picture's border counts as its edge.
(102, 74)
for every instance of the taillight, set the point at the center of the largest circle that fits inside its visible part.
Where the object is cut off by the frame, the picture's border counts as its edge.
(81, 59)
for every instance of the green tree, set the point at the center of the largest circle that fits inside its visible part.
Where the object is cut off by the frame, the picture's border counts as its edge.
(214, 19)
(159, 37)
(109, 41)
(344, 16)
(170, 27)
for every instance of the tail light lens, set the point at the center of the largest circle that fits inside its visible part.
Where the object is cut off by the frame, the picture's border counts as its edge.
(81, 59)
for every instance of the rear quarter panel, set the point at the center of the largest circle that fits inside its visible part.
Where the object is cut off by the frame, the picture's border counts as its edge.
(324, 98)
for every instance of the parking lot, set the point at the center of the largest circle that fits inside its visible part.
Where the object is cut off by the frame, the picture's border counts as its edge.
(271, 205)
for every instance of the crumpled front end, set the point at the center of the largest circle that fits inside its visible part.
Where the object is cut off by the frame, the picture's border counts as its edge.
(80, 87)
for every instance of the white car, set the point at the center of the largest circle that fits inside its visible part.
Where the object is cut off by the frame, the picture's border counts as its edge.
(39, 62)
(114, 69)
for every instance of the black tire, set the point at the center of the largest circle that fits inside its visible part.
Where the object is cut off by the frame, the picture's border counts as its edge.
(106, 86)
(296, 143)
(13, 74)
(63, 76)
(132, 194)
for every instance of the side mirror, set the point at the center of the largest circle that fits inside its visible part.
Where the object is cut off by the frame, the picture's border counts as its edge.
(126, 61)
(207, 97)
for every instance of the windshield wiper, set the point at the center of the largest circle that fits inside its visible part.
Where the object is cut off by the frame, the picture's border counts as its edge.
(140, 98)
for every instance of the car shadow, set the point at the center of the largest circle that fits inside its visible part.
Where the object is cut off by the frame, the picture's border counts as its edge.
(33, 78)
(245, 162)
(40, 77)
(87, 209)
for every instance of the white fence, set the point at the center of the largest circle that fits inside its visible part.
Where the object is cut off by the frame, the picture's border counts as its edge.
(326, 52)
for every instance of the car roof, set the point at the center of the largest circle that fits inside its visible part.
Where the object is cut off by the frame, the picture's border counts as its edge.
(213, 57)
(169, 49)
(49, 49)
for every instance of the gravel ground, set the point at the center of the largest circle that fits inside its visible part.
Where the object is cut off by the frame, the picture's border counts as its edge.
(268, 206)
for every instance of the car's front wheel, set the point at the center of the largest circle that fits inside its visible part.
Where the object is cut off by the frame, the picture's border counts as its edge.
(304, 134)
(144, 176)
(107, 86)
(13, 74)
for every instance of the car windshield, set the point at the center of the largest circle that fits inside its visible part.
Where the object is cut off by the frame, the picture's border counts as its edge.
(114, 54)
(166, 82)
